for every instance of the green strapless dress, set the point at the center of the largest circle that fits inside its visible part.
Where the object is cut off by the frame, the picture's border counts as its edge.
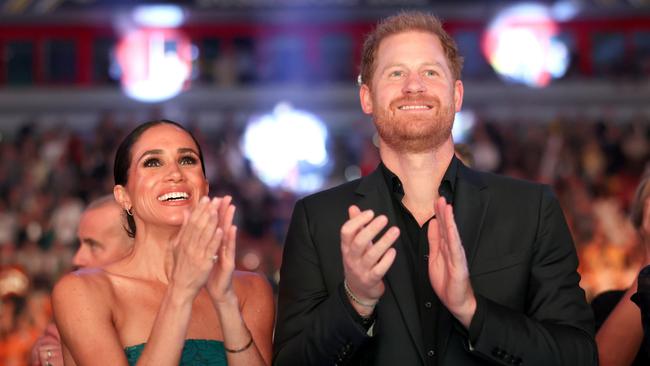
(196, 352)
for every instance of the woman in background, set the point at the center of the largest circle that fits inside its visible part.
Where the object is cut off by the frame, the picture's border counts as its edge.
(619, 338)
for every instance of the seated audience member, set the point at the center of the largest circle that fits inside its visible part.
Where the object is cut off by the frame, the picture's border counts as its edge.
(621, 334)
(102, 240)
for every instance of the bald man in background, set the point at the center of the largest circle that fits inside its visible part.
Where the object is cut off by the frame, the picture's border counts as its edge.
(102, 240)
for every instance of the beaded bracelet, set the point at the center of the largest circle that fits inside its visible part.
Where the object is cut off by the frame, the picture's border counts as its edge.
(237, 350)
(354, 298)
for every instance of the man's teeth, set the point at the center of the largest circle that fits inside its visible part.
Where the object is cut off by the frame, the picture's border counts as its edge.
(173, 196)
(412, 107)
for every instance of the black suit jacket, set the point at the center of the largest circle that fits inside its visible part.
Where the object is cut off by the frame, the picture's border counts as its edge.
(522, 261)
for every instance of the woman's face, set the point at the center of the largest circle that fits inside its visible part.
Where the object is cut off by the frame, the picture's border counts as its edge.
(165, 176)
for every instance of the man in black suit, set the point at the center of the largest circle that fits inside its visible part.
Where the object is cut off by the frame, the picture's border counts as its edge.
(426, 261)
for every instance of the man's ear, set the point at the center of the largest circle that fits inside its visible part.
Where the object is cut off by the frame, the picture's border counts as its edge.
(122, 197)
(365, 98)
(458, 95)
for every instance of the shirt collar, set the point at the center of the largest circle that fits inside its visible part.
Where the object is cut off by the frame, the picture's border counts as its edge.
(447, 185)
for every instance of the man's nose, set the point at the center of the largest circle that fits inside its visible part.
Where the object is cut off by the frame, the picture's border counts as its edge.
(414, 84)
(81, 257)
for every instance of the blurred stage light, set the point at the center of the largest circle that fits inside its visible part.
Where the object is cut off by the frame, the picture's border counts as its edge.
(251, 261)
(563, 11)
(158, 16)
(463, 123)
(155, 64)
(287, 149)
(521, 45)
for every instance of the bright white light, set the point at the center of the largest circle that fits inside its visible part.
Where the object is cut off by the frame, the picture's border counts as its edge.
(164, 16)
(520, 45)
(463, 123)
(287, 149)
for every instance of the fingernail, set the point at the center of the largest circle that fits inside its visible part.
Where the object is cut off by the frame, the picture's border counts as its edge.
(204, 199)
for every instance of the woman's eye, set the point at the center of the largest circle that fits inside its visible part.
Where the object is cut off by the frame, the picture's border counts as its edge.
(152, 162)
(187, 160)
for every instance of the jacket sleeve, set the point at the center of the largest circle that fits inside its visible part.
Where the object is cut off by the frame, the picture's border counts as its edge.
(313, 326)
(558, 327)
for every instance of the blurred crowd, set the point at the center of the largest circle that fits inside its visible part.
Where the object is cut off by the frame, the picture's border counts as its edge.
(49, 174)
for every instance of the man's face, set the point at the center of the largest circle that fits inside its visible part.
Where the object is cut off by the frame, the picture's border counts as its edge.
(102, 239)
(412, 96)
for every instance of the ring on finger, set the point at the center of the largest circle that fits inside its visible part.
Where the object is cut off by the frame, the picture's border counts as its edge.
(214, 258)
(49, 354)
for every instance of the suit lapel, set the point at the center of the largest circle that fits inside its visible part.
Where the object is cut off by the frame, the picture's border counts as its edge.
(470, 205)
(376, 196)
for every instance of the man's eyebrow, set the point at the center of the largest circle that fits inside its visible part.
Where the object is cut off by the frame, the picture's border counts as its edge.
(400, 64)
(90, 241)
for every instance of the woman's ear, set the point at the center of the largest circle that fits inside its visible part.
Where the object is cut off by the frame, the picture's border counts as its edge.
(122, 197)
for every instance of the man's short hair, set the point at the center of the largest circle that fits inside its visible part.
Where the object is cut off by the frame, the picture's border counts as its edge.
(403, 22)
(101, 201)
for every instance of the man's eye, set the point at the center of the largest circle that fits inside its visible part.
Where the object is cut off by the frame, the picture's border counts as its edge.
(396, 73)
(430, 73)
(187, 160)
(152, 162)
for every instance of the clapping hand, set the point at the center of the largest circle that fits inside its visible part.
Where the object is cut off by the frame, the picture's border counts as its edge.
(219, 283)
(195, 245)
(448, 271)
(365, 263)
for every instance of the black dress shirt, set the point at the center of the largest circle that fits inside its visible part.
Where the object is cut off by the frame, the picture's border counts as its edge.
(415, 238)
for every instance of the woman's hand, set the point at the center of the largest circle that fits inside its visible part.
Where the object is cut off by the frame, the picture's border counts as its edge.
(219, 284)
(199, 238)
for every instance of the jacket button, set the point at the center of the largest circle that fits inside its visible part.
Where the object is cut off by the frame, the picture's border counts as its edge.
(431, 353)
(498, 352)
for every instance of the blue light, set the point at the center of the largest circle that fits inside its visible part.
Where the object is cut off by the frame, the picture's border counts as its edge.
(463, 124)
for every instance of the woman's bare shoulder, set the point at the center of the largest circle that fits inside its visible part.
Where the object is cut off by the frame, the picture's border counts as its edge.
(85, 286)
(251, 285)
(250, 280)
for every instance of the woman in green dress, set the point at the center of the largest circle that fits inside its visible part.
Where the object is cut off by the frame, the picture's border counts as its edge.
(176, 299)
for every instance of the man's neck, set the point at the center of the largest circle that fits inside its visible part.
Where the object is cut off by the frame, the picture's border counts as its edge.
(420, 174)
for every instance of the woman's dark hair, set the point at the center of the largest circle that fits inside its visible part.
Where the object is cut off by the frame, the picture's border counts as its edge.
(123, 159)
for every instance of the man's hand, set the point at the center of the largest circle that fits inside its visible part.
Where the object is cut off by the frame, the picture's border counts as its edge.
(448, 270)
(365, 263)
(47, 349)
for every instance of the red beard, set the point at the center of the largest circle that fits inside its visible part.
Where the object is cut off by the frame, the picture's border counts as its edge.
(415, 132)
